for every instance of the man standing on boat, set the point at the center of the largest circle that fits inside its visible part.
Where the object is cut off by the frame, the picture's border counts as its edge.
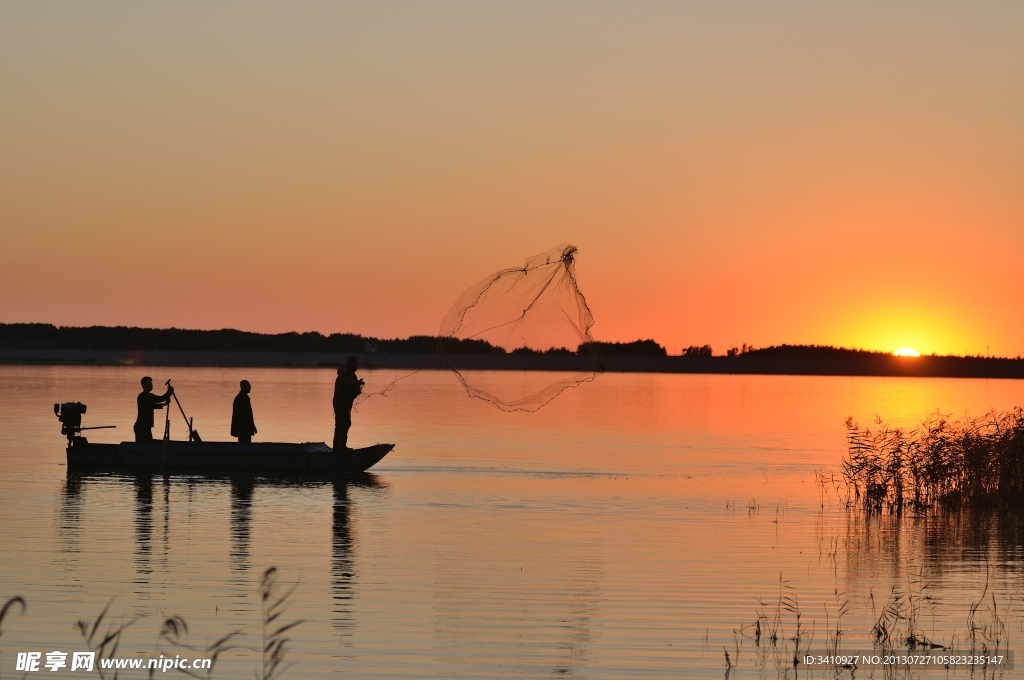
(346, 388)
(149, 402)
(242, 424)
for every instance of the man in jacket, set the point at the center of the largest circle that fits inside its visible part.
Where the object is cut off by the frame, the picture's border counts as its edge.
(346, 388)
(242, 424)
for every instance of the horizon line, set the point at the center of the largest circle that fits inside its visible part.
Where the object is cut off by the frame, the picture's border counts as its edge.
(730, 352)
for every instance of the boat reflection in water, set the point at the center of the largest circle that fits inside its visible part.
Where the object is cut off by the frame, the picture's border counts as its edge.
(196, 546)
(342, 562)
(143, 527)
(154, 499)
(241, 519)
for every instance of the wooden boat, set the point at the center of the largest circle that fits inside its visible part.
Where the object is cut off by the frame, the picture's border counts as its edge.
(196, 456)
(263, 458)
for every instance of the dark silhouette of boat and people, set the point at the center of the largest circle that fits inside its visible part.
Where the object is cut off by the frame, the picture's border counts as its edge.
(244, 455)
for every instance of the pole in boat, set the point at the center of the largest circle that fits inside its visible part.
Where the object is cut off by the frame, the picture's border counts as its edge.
(167, 432)
(188, 421)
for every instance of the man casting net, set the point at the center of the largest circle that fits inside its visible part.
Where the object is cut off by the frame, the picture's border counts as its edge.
(537, 314)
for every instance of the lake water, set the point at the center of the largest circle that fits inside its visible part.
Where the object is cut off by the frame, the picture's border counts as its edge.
(628, 529)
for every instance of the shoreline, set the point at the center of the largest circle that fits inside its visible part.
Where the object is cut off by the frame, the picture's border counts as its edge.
(873, 365)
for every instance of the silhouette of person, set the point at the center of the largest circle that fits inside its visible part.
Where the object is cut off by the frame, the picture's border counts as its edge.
(242, 424)
(346, 388)
(149, 402)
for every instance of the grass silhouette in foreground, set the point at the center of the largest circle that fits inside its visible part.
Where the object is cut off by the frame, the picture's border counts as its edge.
(105, 642)
(5, 610)
(780, 635)
(974, 462)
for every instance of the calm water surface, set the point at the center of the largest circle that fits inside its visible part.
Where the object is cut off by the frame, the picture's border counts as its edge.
(628, 529)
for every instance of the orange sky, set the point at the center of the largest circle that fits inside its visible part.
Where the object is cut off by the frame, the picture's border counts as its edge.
(730, 172)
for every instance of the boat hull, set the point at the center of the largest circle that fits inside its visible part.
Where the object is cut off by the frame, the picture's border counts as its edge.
(265, 458)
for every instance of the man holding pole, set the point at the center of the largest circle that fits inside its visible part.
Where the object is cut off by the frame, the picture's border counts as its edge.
(346, 388)
(147, 403)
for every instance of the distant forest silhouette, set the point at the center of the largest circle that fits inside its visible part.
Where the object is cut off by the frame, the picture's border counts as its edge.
(48, 336)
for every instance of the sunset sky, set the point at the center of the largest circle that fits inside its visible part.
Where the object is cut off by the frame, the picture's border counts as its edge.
(761, 173)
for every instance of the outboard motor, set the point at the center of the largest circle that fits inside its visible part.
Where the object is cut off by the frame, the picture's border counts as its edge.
(70, 416)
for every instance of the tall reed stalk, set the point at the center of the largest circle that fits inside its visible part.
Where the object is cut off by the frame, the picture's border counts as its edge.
(974, 462)
(6, 609)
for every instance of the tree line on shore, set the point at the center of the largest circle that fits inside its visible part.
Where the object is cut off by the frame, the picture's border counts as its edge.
(49, 336)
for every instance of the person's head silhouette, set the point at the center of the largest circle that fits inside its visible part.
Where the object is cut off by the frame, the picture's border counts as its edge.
(245, 386)
(147, 384)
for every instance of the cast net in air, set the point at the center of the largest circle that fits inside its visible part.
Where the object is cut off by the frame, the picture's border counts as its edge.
(537, 314)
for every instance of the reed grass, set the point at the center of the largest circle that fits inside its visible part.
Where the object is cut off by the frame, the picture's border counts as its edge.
(897, 627)
(106, 645)
(5, 610)
(173, 631)
(834, 636)
(104, 636)
(974, 462)
(275, 644)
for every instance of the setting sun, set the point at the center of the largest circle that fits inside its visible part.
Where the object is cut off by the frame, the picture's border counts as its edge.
(907, 352)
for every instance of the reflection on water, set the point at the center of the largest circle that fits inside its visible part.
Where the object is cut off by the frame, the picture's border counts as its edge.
(173, 491)
(342, 569)
(867, 556)
(143, 527)
(241, 516)
(937, 544)
(627, 529)
(70, 516)
(581, 608)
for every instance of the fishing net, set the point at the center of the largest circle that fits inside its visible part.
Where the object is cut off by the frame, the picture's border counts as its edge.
(537, 314)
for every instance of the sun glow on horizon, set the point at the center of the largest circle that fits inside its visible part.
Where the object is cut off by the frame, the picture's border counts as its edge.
(906, 352)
